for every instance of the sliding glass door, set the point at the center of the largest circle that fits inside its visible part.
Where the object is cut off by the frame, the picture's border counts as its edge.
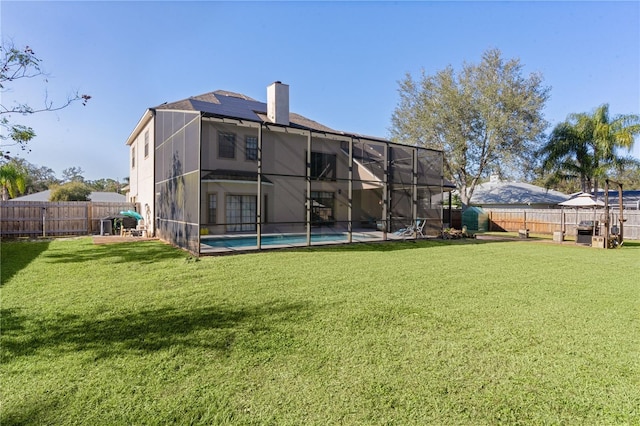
(241, 213)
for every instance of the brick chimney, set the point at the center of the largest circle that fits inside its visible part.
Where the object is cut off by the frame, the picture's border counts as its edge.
(278, 103)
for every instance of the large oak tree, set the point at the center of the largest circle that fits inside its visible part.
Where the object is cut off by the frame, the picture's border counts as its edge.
(487, 118)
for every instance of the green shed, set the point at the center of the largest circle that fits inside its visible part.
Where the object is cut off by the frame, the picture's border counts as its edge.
(475, 219)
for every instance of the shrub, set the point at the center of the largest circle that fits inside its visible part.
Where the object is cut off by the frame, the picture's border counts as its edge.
(72, 191)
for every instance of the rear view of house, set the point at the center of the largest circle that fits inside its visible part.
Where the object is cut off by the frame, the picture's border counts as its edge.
(224, 165)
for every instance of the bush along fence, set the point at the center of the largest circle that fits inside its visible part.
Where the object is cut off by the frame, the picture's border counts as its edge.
(548, 221)
(51, 219)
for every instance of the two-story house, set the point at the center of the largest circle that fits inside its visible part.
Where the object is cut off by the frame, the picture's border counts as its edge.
(223, 164)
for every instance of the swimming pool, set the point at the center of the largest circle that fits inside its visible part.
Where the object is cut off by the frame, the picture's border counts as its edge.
(278, 239)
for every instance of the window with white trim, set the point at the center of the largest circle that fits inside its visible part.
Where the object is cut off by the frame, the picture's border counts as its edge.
(146, 144)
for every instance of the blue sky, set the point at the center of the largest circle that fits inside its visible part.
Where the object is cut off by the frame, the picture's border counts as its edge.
(342, 60)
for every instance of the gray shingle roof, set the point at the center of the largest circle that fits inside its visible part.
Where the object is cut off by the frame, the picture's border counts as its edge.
(97, 196)
(236, 105)
(516, 193)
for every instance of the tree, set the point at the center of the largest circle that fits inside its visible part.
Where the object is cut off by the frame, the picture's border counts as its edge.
(37, 178)
(12, 181)
(17, 64)
(106, 185)
(629, 177)
(71, 191)
(567, 155)
(73, 174)
(587, 148)
(487, 118)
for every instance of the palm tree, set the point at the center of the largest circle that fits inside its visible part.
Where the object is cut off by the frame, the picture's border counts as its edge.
(12, 181)
(566, 155)
(587, 146)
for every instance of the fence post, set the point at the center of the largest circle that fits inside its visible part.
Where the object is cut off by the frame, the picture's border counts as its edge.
(89, 218)
(44, 221)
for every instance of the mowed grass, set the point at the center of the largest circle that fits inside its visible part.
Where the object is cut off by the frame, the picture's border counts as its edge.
(459, 332)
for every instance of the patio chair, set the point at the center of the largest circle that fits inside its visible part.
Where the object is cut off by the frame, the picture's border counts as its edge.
(410, 230)
(416, 228)
(141, 228)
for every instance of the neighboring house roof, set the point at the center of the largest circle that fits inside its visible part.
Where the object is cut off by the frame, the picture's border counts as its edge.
(107, 197)
(630, 198)
(515, 193)
(96, 196)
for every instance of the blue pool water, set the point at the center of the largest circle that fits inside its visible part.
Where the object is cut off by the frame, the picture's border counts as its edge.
(269, 240)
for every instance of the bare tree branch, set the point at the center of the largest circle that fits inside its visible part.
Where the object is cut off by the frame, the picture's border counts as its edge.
(16, 64)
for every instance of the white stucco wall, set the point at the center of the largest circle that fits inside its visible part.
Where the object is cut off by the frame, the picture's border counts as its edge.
(141, 168)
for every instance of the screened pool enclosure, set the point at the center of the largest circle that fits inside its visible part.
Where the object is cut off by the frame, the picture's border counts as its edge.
(231, 184)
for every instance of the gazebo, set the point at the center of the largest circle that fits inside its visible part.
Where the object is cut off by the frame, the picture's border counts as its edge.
(582, 200)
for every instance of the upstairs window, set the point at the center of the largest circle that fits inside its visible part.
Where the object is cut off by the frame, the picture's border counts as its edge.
(133, 157)
(251, 148)
(226, 145)
(146, 144)
(323, 166)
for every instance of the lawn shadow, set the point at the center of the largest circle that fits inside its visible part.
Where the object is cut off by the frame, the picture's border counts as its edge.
(17, 255)
(141, 252)
(394, 245)
(215, 328)
(634, 245)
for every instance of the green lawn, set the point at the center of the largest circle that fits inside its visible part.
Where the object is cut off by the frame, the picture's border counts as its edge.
(431, 332)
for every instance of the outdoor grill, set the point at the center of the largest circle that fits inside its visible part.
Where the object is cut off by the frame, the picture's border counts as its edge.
(114, 223)
(586, 231)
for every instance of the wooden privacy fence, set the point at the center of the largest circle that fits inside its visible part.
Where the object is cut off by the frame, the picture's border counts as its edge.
(49, 219)
(547, 221)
